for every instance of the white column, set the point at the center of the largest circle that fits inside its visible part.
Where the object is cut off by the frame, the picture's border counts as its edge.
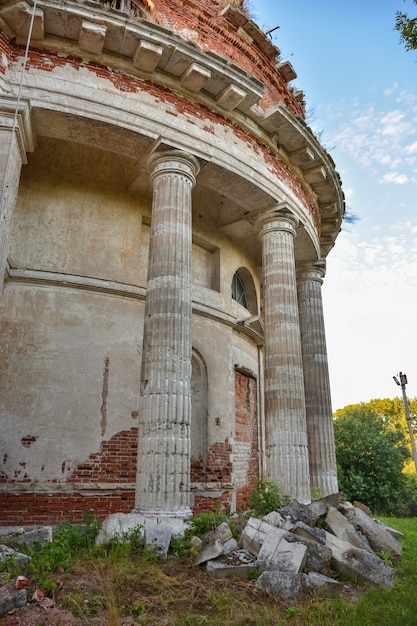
(285, 418)
(163, 470)
(15, 138)
(323, 471)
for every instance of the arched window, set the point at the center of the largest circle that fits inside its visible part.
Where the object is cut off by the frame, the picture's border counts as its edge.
(244, 290)
(238, 290)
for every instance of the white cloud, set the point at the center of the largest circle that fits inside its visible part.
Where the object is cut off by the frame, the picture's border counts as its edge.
(394, 177)
(411, 149)
(370, 298)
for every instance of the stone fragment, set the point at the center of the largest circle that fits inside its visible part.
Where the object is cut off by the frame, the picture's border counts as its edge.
(209, 551)
(254, 534)
(222, 532)
(297, 512)
(38, 535)
(392, 531)
(311, 534)
(323, 586)
(379, 538)
(275, 519)
(11, 598)
(158, 536)
(219, 569)
(195, 542)
(276, 552)
(319, 507)
(19, 557)
(119, 526)
(359, 564)
(230, 546)
(266, 554)
(337, 524)
(290, 557)
(277, 583)
(318, 559)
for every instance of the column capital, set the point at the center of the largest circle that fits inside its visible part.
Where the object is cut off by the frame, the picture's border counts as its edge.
(311, 271)
(278, 219)
(173, 162)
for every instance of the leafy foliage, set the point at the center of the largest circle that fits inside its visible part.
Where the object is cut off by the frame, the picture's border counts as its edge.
(407, 27)
(371, 451)
(267, 497)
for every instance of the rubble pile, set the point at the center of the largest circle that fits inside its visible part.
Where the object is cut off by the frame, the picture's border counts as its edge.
(305, 546)
(298, 547)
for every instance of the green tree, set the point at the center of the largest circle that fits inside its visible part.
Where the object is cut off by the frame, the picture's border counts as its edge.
(371, 451)
(407, 27)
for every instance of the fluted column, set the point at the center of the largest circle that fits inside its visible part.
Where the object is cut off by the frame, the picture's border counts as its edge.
(163, 470)
(323, 472)
(285, 419)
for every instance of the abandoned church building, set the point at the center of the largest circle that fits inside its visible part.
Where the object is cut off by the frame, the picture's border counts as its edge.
(166, 213)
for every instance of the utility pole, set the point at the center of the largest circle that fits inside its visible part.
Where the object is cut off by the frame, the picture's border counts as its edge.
(402, 383)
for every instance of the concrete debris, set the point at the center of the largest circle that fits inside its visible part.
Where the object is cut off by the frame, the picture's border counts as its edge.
(281, 554)
(379, 538)
(278, 583)
(19, 558)
(11, 598)
(321, 585)
(289, 549)
(209, 551)
(158, 537)
(38, 535)
(359, 564)
(337, 524)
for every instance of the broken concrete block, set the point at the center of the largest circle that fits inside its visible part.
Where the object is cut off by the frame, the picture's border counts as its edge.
(275, 519)
(277, 583)
(218, 569)
(290, 557)
(321, 585)
(297, 512)
(11, 598)
(337, 524)
(119, 526)
(209, 551)
(158, 537)
(254, 534)
(309, 534)
(379, 538)
(359, 564)
(230, 546)
(222, 532)
(266, 555)
(38, 535)
(318, 559)
(19, 557)
(276, 552)
(319, 507)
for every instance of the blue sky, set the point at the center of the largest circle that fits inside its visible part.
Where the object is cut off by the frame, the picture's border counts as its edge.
(361, 93)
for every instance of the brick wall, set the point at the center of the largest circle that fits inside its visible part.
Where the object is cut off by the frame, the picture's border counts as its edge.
(37, 508)
(245, 450)
(202, 21)
(115, 462)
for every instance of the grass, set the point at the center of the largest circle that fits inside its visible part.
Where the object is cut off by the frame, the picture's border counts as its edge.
(117, 581)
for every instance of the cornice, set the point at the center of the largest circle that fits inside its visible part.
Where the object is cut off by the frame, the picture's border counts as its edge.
(92, 30)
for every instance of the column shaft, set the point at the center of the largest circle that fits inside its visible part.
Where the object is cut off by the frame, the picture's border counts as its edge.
(286, 434)
(163, 471)
(323, 472)
(10, 168)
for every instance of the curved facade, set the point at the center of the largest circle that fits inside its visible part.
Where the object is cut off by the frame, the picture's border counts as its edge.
(166, 214)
